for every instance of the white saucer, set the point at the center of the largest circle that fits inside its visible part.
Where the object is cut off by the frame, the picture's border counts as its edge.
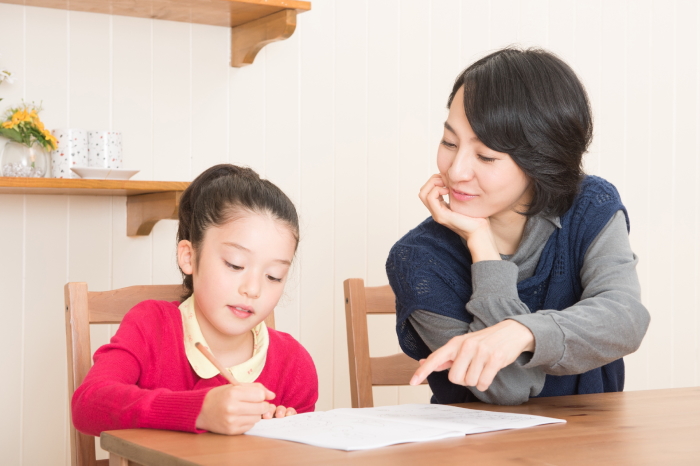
(104, 173)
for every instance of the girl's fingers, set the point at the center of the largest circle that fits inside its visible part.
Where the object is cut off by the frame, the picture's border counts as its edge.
(281, 411)
(253, 393)
(244, 408)
(270, 414)
(290, 412)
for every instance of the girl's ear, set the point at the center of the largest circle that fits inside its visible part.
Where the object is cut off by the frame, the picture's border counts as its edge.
(185, 257)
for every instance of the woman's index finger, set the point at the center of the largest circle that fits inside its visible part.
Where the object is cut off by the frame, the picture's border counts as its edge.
(432, 364)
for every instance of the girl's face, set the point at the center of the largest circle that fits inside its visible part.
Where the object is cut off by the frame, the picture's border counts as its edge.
(483, 183)
(241, 273)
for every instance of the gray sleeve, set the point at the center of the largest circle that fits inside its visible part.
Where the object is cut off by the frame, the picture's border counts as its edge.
(608, 322)
(494, 299)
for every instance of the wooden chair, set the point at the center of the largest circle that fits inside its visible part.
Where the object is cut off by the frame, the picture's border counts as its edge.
(365, 371)
(103, 307)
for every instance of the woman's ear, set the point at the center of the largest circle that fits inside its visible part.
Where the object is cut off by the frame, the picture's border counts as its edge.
(185, 257)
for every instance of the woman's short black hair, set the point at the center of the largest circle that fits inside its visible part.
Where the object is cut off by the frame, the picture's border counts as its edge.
(532, 106)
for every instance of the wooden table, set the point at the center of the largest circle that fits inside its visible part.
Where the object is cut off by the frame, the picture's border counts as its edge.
(655, 427)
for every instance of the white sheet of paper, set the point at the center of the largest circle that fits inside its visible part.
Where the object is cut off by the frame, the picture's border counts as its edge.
(360, 429)
(467, 421)
(340, 431)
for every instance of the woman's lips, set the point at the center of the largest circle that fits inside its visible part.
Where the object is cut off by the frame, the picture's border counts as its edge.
(460, 196)
(242, 312)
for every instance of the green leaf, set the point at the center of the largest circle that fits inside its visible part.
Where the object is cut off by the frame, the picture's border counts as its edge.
(12, 134)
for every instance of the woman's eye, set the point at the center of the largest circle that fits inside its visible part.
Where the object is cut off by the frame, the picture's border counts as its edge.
(273, 279)
(234, 267)
(449, 145)
(486, 159)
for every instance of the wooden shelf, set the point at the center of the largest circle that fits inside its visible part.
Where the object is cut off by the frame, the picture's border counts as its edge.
(253, 23)
(147, 202)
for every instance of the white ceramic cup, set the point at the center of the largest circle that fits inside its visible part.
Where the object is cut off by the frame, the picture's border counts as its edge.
(105, 149)
(71, 151)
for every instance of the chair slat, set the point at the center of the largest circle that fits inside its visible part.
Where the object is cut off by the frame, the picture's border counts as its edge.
(396, 369)
(78, 351)
(380, 300)
(109, 307)
(358, 344)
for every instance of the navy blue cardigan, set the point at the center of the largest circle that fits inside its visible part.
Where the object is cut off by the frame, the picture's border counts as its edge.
(430, 269)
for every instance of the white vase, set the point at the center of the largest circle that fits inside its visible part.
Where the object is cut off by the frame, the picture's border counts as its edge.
(22, 161)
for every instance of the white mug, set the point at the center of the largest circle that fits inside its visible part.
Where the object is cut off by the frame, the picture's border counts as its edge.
(105, 149)
(71, 151)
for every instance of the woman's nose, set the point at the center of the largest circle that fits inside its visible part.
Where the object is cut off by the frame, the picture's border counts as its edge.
(462, 168)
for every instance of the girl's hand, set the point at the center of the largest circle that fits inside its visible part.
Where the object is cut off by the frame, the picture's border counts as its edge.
(279, 411)
(234, 409)
(475, 358)
(475, 231)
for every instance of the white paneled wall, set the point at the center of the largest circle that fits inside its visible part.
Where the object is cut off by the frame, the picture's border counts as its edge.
(345, 117)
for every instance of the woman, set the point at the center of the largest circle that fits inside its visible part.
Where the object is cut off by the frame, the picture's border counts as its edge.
(524, 284)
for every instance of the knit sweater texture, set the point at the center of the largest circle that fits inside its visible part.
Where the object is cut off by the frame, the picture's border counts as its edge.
(142, 378)
(430, 269)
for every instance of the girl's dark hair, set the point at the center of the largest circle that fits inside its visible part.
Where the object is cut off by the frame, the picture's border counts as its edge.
(218, 195)
(530, 105)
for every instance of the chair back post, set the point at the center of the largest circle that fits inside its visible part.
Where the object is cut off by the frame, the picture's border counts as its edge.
(358, 343)
(82, 450)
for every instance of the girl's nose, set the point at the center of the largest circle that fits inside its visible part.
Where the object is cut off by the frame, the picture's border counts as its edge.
(250, 287)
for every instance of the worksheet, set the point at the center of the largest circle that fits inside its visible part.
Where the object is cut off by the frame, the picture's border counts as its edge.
(360, 429)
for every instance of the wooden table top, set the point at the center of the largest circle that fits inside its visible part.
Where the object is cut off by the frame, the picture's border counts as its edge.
(646, 427)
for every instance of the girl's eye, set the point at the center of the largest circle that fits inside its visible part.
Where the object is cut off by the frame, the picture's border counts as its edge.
(273, 279)
(486, 159)
(449, 145)
(234, 267)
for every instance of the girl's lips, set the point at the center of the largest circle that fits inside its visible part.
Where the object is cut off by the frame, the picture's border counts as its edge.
(460, 196)
(242, 312)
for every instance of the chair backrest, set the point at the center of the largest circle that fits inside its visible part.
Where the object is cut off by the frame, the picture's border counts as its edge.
(366, 371)
(101, 307)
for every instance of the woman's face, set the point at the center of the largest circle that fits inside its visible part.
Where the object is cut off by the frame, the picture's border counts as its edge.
(483, 183)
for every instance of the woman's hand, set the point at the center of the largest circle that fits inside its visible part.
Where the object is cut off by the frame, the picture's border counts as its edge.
(234, 409)
(475, 358)
(475, 231)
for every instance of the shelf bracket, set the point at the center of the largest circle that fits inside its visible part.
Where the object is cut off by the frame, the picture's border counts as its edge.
(143, 211)
(249, 38)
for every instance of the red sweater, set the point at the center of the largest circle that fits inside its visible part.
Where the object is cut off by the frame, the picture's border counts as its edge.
(142, 378)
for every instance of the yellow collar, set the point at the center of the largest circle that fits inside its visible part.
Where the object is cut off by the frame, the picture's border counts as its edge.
(246, 372)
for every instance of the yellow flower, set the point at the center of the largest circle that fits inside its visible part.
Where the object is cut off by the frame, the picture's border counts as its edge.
(20, 116)
(39, 125)
(33, 115)
(8, 125)
(50, 139)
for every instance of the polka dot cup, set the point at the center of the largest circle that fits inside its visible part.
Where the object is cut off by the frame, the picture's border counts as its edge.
(105, 149)
(71, 151)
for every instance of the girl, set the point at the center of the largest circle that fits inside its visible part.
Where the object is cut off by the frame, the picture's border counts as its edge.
(524, 284)
(236, 240)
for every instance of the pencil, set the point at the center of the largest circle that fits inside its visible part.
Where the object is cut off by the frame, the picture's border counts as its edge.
(222, 370)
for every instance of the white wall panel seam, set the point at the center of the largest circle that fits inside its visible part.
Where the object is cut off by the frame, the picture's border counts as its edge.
(696, 262)
(333, 210)
(297, 260)
(24, 313)
(674, 153)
